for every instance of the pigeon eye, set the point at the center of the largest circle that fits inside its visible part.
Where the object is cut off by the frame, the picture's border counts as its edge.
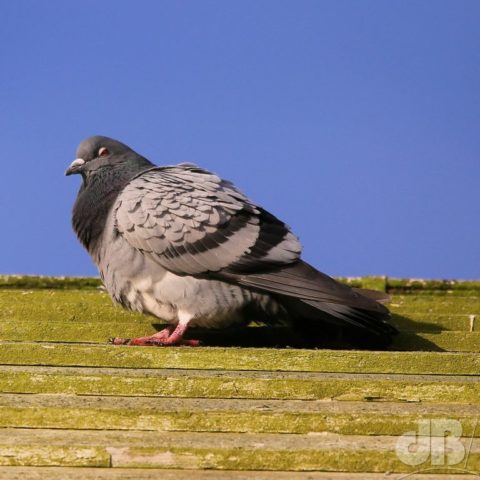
(103, 152)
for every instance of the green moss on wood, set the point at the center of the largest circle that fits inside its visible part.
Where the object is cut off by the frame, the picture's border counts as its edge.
(335, 460)
(96, 332)
(431, 322)
(356, 423)
(206, 385)
(370, 282)
(444, 305)
(73, 310)
(415, 285)
(444, 341)
(72, 473)
(34, 282)
(38, 455)
(91, 332)
(63, 306)
(262, 359)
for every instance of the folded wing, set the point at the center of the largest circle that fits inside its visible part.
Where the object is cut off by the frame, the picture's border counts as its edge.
(192, 222)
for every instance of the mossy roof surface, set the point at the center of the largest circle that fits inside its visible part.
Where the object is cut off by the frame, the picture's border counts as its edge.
(71, 403)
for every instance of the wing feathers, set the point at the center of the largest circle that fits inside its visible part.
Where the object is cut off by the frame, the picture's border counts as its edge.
(192, 222)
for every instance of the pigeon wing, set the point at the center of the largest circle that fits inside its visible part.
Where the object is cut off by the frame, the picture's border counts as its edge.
(192, 222)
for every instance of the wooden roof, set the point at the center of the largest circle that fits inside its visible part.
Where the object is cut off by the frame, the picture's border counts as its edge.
(73, 407)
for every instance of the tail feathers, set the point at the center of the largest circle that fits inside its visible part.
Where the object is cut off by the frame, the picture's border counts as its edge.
(375, 322)
(319, 304)
(350, 327)
(380, 297)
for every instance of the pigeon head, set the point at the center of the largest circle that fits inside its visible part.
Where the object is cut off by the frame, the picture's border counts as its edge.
(102, 153)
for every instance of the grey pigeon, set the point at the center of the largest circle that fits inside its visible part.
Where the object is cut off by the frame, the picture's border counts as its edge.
(182, 244)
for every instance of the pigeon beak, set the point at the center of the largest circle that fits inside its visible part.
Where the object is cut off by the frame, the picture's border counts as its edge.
(75, 166)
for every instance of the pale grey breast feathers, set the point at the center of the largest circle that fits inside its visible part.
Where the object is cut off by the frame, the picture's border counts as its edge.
(191, 222)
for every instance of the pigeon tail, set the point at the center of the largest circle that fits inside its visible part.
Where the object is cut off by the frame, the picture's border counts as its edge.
(322, 307)
(334, 325)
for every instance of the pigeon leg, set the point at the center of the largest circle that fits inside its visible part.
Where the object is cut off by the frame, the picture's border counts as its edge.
(176, 337)
(167, 337)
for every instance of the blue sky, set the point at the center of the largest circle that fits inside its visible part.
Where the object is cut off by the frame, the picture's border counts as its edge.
(356, 122)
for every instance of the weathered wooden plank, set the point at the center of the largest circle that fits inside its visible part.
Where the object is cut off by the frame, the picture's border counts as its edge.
(47, 282)
(277, 452)
(260, 359)
(63, 305)
(90, 332)
(101, 332)
(225, 459)
(63, 473)
(255, 385)
(434, 322)
(46, 455)
(169, 404)
(444, 341)
(223, 415)
(431, 304)
(413, 285)
(255, 459)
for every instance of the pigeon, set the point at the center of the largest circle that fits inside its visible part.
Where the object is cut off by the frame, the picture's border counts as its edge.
(188, 247)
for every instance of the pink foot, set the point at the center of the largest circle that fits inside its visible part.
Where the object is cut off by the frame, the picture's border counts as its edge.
(169, 336)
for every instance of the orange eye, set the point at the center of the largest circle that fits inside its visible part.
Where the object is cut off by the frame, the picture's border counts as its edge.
(103, 152)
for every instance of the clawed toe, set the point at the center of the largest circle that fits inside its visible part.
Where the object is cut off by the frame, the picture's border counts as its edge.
(118, 341)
